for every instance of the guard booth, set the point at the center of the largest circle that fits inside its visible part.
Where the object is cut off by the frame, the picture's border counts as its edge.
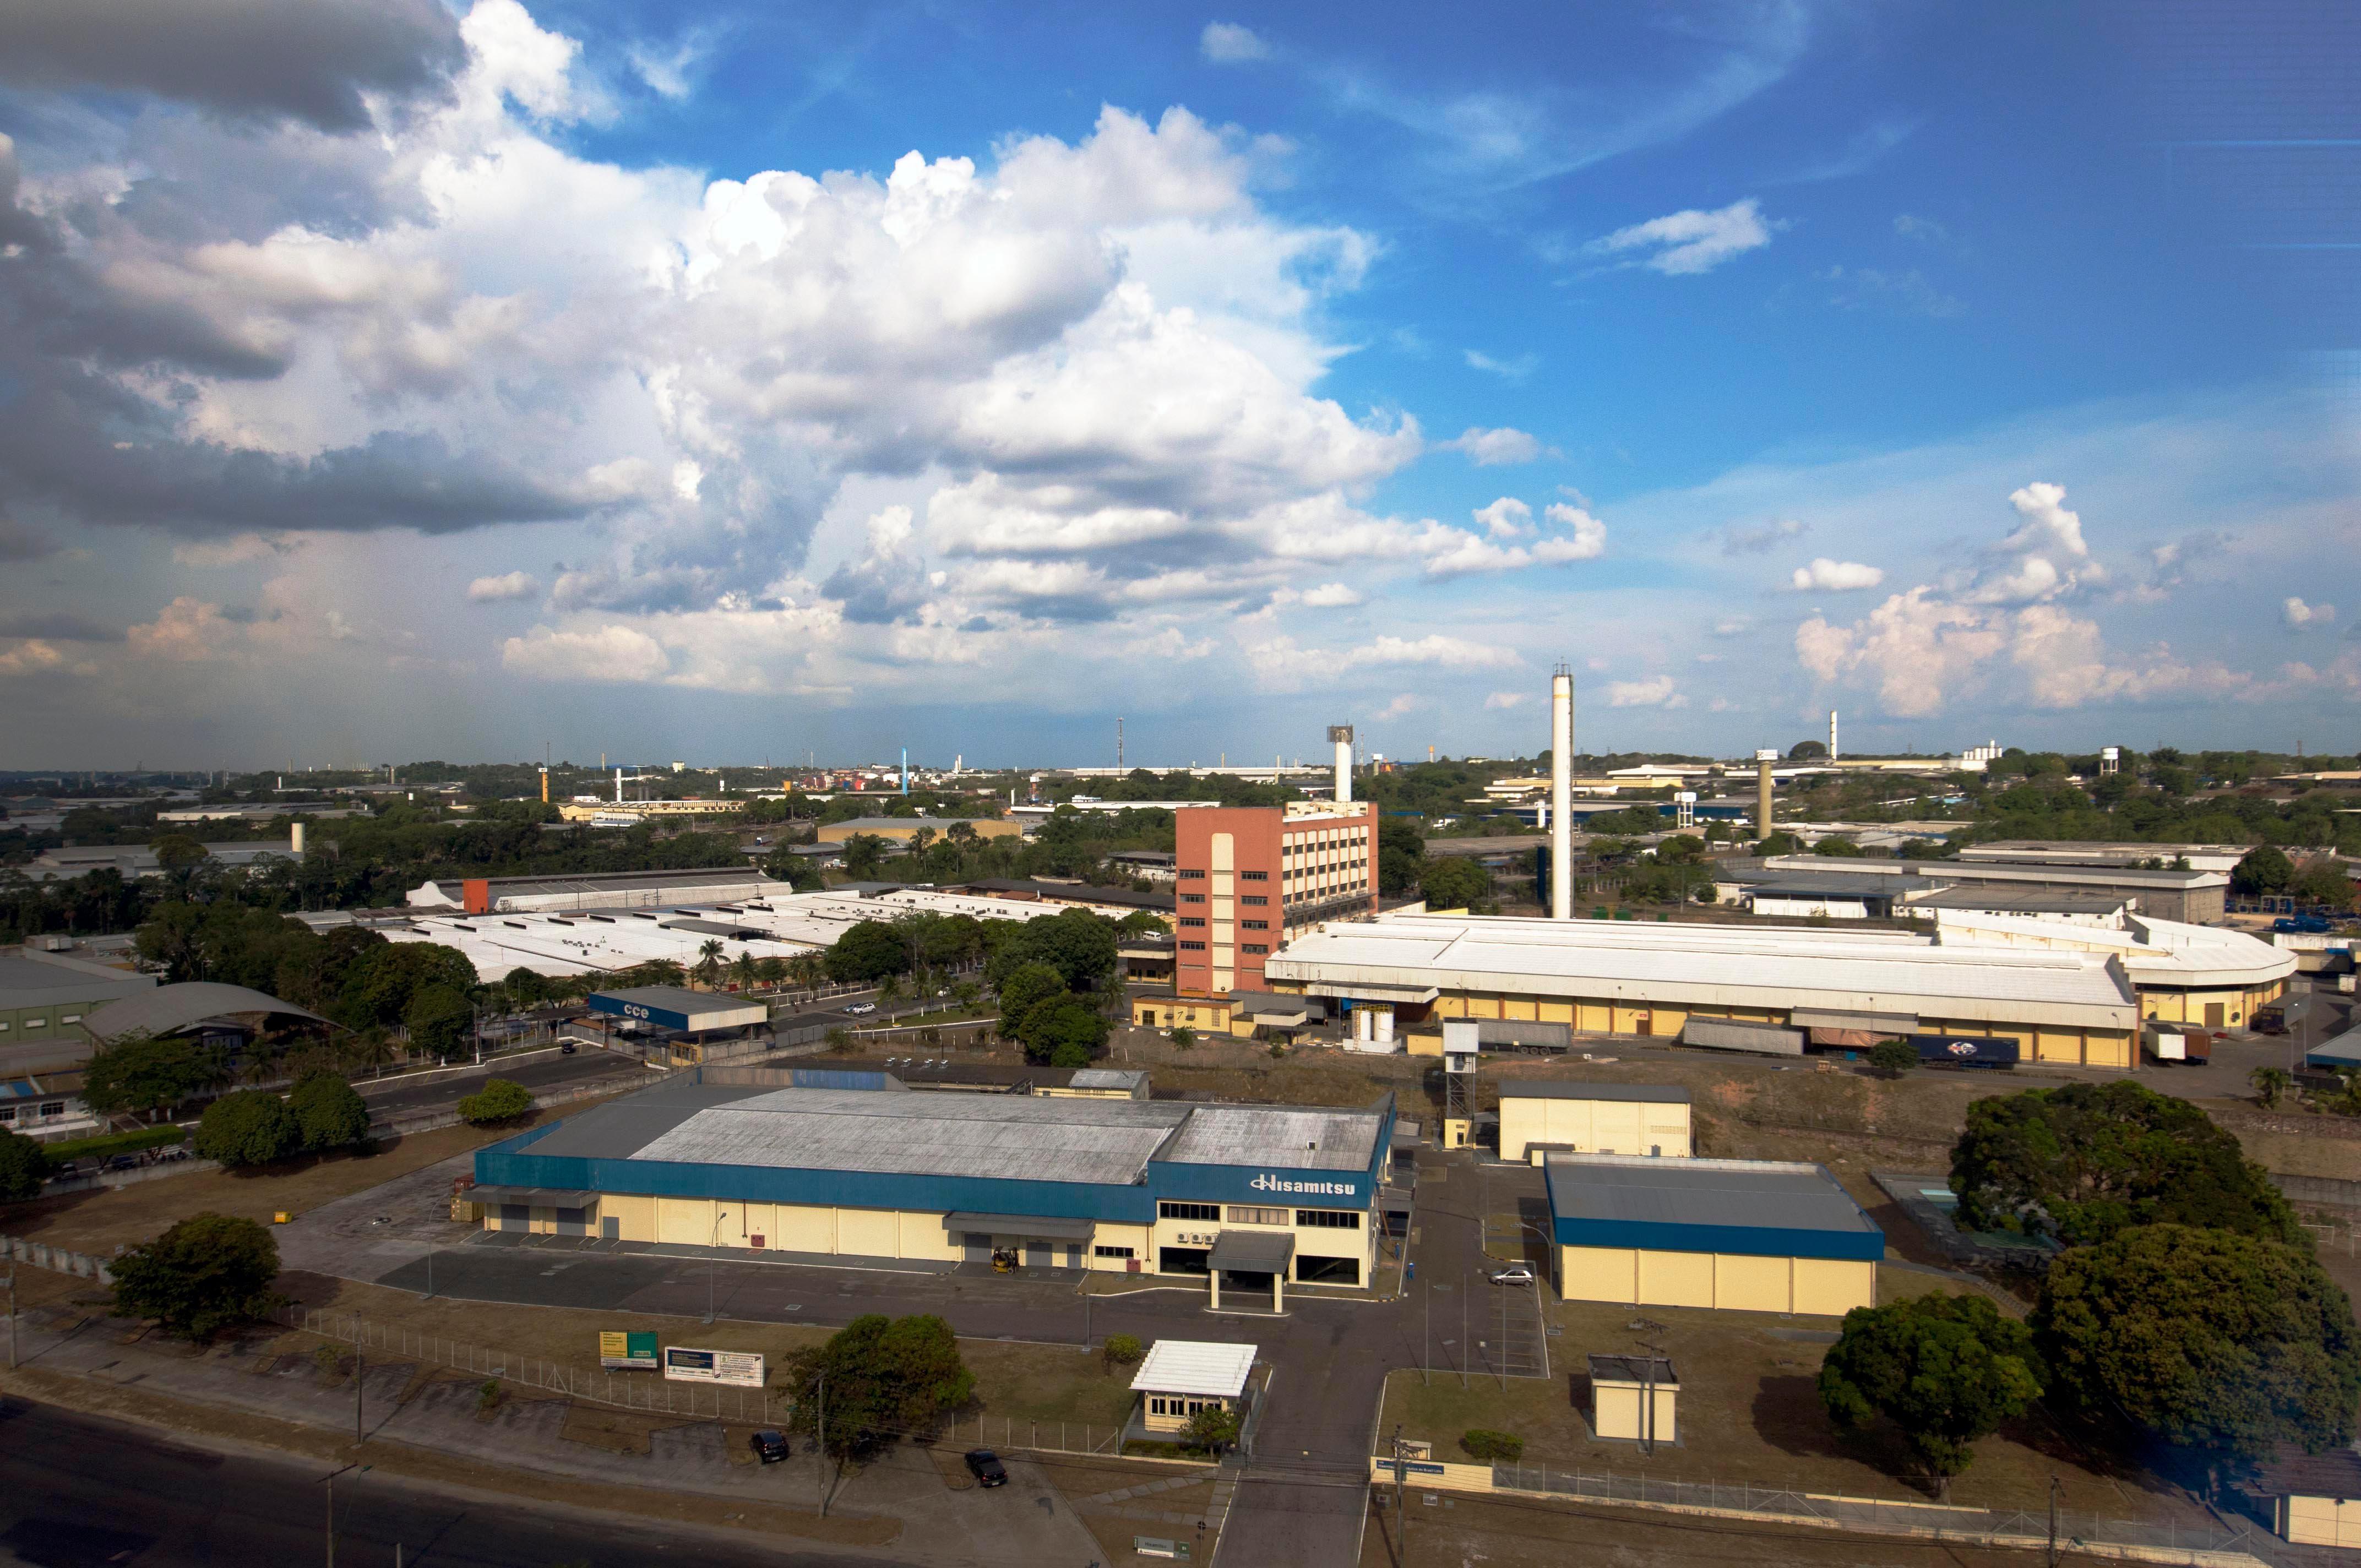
(1181, 1378)
(1634, 1399)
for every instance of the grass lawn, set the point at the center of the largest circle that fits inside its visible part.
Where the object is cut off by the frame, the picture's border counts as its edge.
(99, 1222)
(1749, 1411)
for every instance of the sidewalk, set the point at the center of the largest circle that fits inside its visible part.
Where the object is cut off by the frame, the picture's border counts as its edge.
(901, 1495)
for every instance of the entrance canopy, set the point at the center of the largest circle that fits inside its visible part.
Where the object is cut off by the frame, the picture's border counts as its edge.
(533, 1197)
(1252, 1252)
(1033, 1225)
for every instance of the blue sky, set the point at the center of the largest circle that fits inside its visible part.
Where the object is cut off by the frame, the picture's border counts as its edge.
(756, 381)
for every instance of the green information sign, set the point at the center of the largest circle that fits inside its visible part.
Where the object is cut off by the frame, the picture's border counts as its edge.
(627, 1350)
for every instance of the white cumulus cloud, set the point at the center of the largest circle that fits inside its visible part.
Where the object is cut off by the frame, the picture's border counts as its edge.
(508, 585)
(1492, 448)
(613, 653)
(1835, 576)
(2298, 615)
(1506, 699)
(1686, 243)
(1228, 43)
(1661, 692)
(1329, 595)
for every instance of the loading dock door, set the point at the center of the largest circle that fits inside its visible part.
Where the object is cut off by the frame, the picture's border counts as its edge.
(516, 1217)
(573, 1222)
(975, 1246)
(1040, 1255)
(611, 1228)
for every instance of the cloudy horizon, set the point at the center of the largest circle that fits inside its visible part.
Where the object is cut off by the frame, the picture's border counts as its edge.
(405, 379)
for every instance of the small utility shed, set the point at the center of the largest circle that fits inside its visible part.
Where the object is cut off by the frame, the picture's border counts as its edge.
(2316, 1501)
(1737, 1235)
(1540, 1118)
(1182, 1376)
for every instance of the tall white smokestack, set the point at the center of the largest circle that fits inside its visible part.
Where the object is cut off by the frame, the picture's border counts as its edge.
(295, 838)
(1341, 735)
(1562, 794)
(1832, 735)
(619, 786)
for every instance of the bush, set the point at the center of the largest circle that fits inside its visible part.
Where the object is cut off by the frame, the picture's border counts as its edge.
(1184, 1037)
(252, 1126)
(330, 1111)
(1122, 1350)
(207, 1273)
(1479, 1443)
(1893, 1057)
(23, 1166)
(1211, 1429)
(107, 1144)
(501, 1099)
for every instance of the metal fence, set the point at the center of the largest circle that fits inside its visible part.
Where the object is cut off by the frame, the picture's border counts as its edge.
(624, 1390)
(1884, 1514)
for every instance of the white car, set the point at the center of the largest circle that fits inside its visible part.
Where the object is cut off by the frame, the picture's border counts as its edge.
(860, 1007)
(1515, 1274)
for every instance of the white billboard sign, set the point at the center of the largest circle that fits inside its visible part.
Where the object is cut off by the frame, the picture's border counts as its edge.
(739, 1368)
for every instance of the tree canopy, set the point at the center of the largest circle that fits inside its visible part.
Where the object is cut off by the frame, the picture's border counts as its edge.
(207, 1273)
(1454, 882)
(440, 1019)
(23, 1166)
(329, 1112)
(874, 1379)
(1946, 1369)
(2264, 869)
(2081, 1162)
(2233, 1343)
(141, 1072)
(501, 1100)
(1079, 944)
(249, 1126)
(867, 950)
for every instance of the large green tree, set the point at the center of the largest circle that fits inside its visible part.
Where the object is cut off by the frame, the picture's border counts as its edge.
(1079, 944)
(2084, 1161)
(440, 1019)
(251, 1126)
(1402, 848)
(2264, 869)
(207, 1273)
(1946, 1369)
(384, 981)
(875, 1379)
(1065, 1031)
(867, 950)
(329, 1112)
(501, 1100)
(1454, 882)
(140, 1072)
(1024, 988)
(863, 854)
(2228, 1344)
(23, 1166)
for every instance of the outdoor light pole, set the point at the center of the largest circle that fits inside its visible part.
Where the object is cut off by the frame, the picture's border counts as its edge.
(713, 1246)
(329, 1480)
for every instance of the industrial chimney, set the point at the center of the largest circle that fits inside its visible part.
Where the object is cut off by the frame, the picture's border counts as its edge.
(1832, 735)
(1341, 737)
(619, 786)
(295, 839)
(1562, 793)
(1763, 760)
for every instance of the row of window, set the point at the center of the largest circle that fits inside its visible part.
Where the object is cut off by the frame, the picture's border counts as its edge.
(1105, 1251)
(1172, 1405)
(32, 1023)
(1255, 1214)
(49, 1111)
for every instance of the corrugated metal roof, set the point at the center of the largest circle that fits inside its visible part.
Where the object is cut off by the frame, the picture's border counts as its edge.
(1194, 1366)
(1299, 1138)
(1740, 1193)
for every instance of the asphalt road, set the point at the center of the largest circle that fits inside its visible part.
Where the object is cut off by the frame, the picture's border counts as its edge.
(78, 1492)
(538, 1072)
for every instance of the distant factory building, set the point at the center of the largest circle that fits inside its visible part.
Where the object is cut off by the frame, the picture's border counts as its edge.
(902, 829)
(1729, 1234)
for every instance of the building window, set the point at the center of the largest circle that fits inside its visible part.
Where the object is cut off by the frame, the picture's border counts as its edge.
(7, 1113)
(1192, 898)
(1253, 898)
(1254, 947)
(53, 1108)
(1193, 920)
(1329, 1219)
(37, 1023)
(1185, 874)
(1254, 876)
(68, 1017)
(1242, 1214)
(1104, 1251)
(1192, 946)
(1256, 925)
(1189, 1211)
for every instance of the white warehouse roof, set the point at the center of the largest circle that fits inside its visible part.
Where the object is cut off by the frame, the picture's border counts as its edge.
(1709, 966)
(1203, 1367)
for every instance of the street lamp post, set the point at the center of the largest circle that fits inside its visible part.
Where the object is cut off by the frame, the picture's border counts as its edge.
(713, 1245)
(329, 1481)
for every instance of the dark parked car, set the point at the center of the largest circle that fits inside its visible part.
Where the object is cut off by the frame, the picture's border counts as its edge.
(565, 1048)
(769, 1446)
(986, 1467)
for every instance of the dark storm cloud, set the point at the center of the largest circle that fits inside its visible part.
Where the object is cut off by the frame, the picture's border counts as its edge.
(18, 542)
(256, 59)
(56, 626)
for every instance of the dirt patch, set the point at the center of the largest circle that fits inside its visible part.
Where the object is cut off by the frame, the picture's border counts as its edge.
(616, 1431)
(950, 1465)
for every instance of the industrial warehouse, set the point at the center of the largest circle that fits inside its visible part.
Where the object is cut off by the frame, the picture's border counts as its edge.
(1248, 1198)
(2062, 991)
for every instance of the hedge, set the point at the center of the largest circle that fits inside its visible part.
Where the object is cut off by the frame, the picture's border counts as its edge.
(106, 1144)
(1482, 1443)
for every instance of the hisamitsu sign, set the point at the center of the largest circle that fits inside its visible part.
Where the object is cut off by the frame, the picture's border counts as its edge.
(740, 1369)
(1268, 1183)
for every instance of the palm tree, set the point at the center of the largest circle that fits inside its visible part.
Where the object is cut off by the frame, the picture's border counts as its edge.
(770, 972)
(708, 962)
(742, 969)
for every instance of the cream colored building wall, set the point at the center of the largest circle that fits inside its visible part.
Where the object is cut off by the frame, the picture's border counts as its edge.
(924, 1235)
(1616, 1409)
(1728, 1281)
(633, 1213)
(2320, 1521)
(1140, 1239)
(684, 1222)
(866, 1232)
(1592, 1126)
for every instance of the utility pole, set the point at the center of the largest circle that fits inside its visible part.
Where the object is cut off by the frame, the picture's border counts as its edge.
(1086, 1314)
(819, 1444)
(2053, 1521)
(1401, 1492)
(360, 1366)
(329, 1481)
(12, 1317)
(713, 1246)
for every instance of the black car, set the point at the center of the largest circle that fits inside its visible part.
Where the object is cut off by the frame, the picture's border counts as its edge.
(565, 1048)
(769, 1446)
(985, 1467)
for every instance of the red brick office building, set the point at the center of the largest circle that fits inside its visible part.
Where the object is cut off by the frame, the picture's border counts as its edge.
(1249, 875)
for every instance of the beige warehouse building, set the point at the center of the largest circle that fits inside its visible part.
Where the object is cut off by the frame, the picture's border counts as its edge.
(1726, 1234)
(1540, 1118)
